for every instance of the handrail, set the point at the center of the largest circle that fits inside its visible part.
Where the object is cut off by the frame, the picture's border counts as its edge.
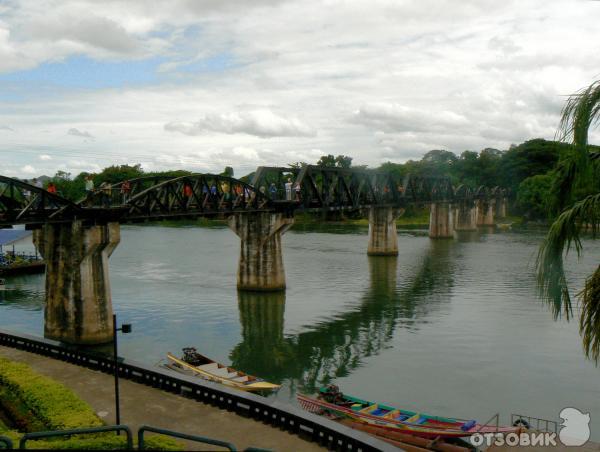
(514, 417)
(495, 416)
(196, 438)
(78, 431)
(5, 443)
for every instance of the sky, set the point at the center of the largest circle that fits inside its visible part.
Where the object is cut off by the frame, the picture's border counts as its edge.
(204, 84)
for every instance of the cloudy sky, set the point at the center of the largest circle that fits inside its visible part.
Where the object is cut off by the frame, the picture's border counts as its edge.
(201, 84)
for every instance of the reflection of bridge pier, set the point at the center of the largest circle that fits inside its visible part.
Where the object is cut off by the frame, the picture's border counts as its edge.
(262, 350)
(261, 261)
(78, 300)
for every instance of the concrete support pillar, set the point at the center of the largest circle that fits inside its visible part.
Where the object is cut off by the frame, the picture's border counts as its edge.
(481, 207)
(501, 204)
(383, 238)
(465, 217)
(441, 220)
(490, 217)
(261, 261)
(78, 301)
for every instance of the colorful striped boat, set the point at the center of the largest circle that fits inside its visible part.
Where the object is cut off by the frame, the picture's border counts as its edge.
(388, 421)
(195, 364)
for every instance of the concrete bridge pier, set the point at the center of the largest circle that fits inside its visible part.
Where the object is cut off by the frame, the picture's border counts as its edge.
(485, 212)
(489, 218)
(261, 261)
(465, 217)
(501, 204)
(383, 237)
(441, 220)
(78, 306)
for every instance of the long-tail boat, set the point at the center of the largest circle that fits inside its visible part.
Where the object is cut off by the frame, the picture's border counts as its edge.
(387, 421)
(196, 364)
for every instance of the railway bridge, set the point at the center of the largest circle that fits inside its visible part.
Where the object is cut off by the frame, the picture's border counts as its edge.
(76, 239)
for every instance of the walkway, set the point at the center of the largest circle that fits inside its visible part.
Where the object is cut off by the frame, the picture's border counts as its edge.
(144, 405)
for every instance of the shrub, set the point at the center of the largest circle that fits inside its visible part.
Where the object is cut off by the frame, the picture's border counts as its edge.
(57, 407)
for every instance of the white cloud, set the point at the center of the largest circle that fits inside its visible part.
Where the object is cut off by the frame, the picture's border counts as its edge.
(45, 157)
(28, 169)
(261, 123)
(10, 129)
(79, 133)
(378, 80)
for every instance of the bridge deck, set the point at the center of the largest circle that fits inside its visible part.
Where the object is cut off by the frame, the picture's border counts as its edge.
(144, 405)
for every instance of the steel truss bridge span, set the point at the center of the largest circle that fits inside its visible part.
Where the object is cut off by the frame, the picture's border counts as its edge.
(310, 188)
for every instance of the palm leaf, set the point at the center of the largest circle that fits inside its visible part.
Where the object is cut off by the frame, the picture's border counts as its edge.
(564, 233)
(580, 113)
(589, 322)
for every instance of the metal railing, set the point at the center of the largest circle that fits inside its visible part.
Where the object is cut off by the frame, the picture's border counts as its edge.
(309, 426)
(79, 431)
(495, 416)
(6, 443)
(541, 425)
(199, 439)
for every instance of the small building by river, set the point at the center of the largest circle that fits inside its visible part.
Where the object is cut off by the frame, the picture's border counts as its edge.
(18, 254)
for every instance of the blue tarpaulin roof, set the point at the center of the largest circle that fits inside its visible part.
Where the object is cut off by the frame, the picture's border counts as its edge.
(8, 236)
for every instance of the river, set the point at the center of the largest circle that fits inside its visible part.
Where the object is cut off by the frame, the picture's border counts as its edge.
(450, 327)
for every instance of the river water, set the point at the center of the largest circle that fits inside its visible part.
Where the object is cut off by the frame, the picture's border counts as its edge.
(450, 327)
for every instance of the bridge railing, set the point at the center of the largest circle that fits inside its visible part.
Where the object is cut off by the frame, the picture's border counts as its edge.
(269, 411)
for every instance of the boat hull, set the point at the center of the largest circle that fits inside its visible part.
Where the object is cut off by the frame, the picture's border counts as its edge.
(257, 386)
(435, 427)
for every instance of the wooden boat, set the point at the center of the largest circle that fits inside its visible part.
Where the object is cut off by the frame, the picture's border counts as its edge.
(196, 364)
(403, 440)
(387, 421)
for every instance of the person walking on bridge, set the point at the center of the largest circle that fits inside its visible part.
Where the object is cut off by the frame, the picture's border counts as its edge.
(105, 191)
(125, 190)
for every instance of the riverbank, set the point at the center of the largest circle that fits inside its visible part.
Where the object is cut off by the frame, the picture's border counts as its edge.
(142, 405)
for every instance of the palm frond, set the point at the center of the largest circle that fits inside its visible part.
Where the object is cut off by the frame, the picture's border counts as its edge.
(589, 322)
(580, 113)
(564, 233)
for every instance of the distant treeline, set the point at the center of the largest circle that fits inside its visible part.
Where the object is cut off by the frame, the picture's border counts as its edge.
(527, 170)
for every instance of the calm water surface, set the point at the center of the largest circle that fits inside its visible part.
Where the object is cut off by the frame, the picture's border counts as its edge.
(450, 327)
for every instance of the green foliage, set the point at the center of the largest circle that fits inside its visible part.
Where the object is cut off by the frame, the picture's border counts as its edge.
(118, 173)
(161, 442)
(341, 161)
(23, 419)
(54, 405)
(533, 196)
(577, 186)
(228, 171)
(38, 403)
(589, 322)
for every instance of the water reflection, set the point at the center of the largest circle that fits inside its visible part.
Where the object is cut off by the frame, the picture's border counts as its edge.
(263, 350)
(23, 292)
(333, 348)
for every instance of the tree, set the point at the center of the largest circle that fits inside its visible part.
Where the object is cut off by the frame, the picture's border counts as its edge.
(341, 161)
(228, 171)
(577, 187)
(118, 173)
(533, 196)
